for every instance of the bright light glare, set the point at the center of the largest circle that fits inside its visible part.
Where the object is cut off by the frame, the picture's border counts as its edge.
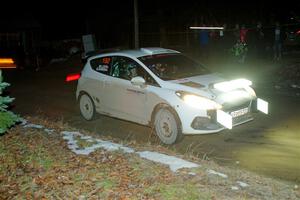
(6, 61)
(235, 95)
(200, 102)
(206, 28)
(224, 119)
(231, 85)
(262, 106)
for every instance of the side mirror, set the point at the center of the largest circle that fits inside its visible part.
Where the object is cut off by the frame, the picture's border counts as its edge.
(138, 81)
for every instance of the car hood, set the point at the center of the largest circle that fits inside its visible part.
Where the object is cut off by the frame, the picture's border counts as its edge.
(204, 86)
(203, 81)
(197, 84)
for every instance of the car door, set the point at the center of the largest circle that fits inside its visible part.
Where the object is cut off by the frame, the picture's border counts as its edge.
(100, 72)
(125, 100)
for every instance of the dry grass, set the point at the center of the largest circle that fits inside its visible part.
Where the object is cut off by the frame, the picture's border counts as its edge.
(38, 165)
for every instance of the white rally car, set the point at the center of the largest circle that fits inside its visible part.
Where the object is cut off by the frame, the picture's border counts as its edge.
(164, 89)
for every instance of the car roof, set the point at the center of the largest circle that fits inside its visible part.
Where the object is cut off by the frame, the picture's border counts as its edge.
(138, 52)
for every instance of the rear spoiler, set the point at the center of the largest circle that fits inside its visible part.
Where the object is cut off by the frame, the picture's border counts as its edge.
(87, 55)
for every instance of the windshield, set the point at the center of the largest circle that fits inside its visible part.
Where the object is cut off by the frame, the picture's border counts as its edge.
(173, 66)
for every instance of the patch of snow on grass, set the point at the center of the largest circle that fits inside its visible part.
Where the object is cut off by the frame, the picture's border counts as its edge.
(109, 146)
(234, 188)
(23, 121)
(192, 173)
(86, 137)
(210, 171)
(242, 184)
(33, 126)
(49, 131)
(173, 162)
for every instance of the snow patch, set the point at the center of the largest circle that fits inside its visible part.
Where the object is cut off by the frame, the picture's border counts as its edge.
(23, 121)
(173, 162)
(49, 131)
(109, 146)
(234, 188)
(242, 184)
(192, 173)
(33, 126)
(210, 171)
(86, 137)
(25, 124)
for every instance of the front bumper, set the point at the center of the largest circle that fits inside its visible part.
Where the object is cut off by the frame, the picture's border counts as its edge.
(209, 123)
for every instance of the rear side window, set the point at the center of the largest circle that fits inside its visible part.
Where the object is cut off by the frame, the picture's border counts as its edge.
(101, 65)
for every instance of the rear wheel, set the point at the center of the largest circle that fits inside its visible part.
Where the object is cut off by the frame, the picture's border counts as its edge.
(167, 126)
(87, 107)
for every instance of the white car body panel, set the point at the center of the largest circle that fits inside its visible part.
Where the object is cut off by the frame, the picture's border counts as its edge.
(121, 99)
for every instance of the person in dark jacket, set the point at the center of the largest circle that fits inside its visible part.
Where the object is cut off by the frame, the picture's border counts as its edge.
(277, 42)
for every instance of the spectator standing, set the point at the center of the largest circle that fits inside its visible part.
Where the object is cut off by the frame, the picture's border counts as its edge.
(259, 40)
(204, 40)
(277, 43)
(242, 44)
(236, 33)
(224, 44)
(243, 34)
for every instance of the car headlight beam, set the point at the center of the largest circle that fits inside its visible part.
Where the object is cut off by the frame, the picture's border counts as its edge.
(198, 102)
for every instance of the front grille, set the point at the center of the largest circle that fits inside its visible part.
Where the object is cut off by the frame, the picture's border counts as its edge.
(241, 119)
(227, 107)
(234, 107)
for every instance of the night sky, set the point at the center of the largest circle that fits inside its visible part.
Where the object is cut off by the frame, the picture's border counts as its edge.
(59, 20)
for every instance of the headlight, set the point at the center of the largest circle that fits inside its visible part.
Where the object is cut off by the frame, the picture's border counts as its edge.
(198, 101)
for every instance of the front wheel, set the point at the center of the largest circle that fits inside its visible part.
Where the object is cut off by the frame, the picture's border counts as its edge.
(87, 107)
(167, 126)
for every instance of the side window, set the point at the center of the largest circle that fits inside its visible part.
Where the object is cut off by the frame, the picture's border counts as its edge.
(101, 65)
(126, 68)
(148, 78)
(123, 68)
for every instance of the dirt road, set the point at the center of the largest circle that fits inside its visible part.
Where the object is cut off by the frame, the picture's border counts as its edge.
(269, 145)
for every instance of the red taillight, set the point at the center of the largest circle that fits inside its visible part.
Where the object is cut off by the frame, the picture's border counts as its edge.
(298, 32)
(72, 77)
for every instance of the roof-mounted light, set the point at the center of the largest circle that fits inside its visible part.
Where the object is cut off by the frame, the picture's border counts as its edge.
(232, 85)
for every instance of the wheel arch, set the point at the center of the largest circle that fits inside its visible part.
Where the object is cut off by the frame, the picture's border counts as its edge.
(165, 105)
(179, 134)
(82, 92)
